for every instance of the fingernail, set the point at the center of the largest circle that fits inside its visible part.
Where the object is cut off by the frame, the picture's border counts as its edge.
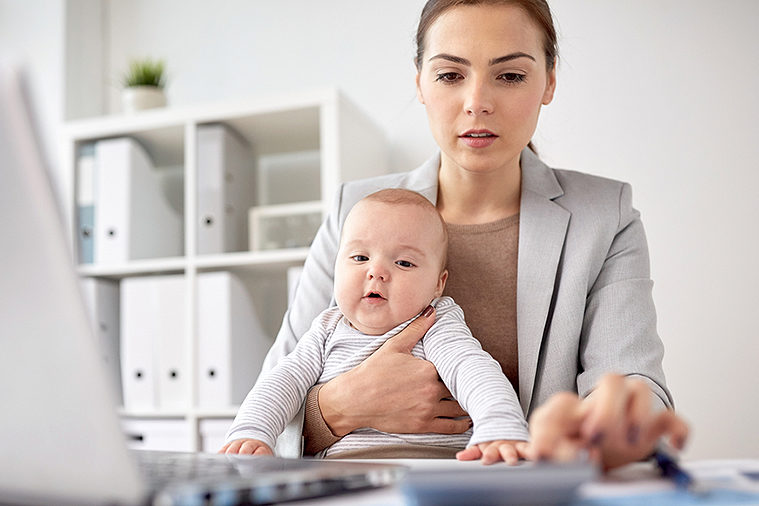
(633, 434)
(597, 438)
(427, 311)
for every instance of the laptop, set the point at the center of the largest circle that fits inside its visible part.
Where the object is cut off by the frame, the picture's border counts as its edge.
(60, 437)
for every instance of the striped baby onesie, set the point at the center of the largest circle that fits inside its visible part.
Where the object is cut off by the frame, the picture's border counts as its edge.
(331, 347)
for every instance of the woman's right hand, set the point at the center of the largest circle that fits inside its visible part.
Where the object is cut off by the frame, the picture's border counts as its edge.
(393, 391)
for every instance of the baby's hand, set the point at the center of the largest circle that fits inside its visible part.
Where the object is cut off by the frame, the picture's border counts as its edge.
(494, 451)
(247, 447)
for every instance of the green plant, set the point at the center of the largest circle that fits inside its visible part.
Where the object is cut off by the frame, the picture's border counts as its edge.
(145, 72)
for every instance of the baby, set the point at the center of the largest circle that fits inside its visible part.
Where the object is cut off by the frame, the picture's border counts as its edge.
(390, 267)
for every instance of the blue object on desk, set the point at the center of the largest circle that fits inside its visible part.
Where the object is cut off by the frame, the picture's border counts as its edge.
(671, 470)
(714, 497)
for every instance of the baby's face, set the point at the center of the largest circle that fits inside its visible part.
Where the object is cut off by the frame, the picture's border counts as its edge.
(388, 267)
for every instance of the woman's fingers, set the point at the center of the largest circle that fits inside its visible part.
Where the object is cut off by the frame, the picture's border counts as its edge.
(406, 339)
(555, 427)
(638, 410)
(450, 409)
(668, 424)
(608, 406)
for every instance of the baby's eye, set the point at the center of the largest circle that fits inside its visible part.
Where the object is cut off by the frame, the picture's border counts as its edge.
(360, 258)
(404, 263)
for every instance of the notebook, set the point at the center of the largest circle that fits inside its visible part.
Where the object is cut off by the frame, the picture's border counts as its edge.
(60, 437)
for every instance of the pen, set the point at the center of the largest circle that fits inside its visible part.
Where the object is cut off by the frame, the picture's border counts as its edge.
(671, 470)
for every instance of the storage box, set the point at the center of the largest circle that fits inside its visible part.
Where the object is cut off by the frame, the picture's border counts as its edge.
(284, 226)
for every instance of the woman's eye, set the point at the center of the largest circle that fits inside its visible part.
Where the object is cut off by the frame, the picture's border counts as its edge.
(404, 263)
(359, 258)
(449, 77)
(512, 78)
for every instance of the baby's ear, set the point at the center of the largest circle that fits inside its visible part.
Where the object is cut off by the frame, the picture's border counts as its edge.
(441, 283)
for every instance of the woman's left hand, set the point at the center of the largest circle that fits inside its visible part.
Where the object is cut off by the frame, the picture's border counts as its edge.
(615, 424)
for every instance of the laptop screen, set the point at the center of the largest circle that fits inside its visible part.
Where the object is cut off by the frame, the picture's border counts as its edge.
(59, 426)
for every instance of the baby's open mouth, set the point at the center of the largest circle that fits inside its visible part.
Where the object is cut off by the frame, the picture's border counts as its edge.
(374, 295)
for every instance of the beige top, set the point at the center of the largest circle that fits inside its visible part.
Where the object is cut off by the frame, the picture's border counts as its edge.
(482, 267)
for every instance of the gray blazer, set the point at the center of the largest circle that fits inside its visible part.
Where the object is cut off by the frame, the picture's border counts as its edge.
(584, 301)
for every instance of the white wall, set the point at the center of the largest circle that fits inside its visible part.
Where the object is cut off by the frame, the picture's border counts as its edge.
(662, 93)
(659, 93)
(234, 48)
(31, 34)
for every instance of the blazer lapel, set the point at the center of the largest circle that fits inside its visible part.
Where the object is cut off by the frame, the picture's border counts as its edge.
(542, 230)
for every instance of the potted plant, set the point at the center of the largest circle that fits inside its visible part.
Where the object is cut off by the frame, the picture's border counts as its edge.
(144, 85)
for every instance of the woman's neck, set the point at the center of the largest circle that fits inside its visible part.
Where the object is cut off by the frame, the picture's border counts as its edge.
(469, 197)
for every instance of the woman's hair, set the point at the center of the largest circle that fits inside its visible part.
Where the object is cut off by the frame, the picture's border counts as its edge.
(537, 9)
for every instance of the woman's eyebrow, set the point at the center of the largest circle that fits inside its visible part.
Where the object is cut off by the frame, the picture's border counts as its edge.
(494, 61)
(509, 57)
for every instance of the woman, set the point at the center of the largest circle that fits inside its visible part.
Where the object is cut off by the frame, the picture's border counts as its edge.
(550, 267)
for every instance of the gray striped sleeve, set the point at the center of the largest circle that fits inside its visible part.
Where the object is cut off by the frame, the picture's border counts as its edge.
(474, 377)
(278, 395)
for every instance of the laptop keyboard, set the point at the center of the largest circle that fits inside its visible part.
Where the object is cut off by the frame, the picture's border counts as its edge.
(211, 479)
(165, 467)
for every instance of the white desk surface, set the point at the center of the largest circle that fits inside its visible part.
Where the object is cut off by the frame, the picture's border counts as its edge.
(718, 482)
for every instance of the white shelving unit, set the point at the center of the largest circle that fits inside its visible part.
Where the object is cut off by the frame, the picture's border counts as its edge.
(321, 125)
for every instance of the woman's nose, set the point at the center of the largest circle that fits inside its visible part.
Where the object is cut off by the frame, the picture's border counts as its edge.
(479, 98)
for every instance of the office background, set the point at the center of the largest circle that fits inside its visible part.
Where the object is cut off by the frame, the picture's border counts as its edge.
(659, 93)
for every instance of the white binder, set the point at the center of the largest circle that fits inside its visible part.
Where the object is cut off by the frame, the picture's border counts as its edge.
(226, 190)
(173, 373)
(133, 218)
(102, 299)
(138, 334)
(153, 343)
(231, 341)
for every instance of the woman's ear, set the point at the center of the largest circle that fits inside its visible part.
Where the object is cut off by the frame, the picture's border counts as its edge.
(419, 95)
(441, 283)
(550, 86)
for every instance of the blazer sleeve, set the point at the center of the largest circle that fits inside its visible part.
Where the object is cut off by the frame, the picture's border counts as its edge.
(619, 327)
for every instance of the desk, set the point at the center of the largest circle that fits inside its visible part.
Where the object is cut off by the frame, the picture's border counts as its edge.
(722, 481)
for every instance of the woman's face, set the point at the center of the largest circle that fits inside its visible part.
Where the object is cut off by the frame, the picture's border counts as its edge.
(483, 80)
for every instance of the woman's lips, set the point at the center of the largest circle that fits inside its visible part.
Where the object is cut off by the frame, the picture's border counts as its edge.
(478, 138)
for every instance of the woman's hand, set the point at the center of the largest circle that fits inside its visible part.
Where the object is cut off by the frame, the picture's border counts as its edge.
(393, 391)
(615, 423)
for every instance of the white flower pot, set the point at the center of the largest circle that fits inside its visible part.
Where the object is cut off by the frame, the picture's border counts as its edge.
(137, 98)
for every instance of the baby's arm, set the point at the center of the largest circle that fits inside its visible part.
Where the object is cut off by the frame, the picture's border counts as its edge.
(278, 394)
(477, 382)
